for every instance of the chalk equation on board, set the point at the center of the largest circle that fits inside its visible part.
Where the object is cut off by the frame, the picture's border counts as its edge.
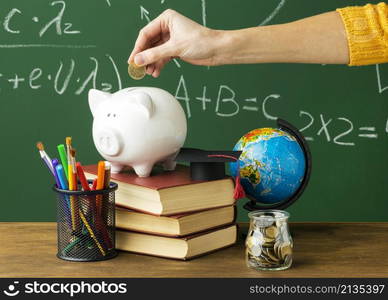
(11, 22)
(226, 104)
(327, 123)
(15, 17)
(63, 73)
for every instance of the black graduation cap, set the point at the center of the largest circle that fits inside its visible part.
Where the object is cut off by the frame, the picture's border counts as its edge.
(207, 165)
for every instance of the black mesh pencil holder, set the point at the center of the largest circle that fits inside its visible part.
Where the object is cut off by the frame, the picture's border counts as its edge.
(86, 224)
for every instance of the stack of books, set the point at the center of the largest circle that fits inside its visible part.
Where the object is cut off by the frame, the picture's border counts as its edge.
(172, 216)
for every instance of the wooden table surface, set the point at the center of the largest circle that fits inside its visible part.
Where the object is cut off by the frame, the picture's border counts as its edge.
(320, 250)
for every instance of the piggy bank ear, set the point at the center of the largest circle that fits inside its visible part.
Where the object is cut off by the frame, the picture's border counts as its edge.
(96, 97)
(145, 102)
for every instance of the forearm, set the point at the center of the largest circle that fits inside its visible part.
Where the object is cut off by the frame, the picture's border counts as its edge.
(319, 39)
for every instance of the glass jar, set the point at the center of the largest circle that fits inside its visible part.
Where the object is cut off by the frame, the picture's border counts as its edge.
(269, 243)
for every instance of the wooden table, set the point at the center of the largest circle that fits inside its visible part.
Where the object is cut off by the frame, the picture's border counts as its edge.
(321, 250)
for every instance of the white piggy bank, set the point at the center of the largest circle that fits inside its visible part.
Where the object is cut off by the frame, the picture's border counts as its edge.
(137, 127)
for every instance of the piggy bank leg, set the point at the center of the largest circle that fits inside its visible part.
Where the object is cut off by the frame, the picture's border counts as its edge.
(116, 168)
(169, 164)
(143, 170)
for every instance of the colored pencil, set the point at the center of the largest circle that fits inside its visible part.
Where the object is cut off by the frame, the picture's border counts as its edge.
(73, 168)
(94, 185)
(98, 220)
(68, 147)
(91, 232)
(72, 176)
(82, 178)
(107, 174)
(55, 163)
(100, 184)
(46, 159)
(71, 245)
(61, 176)
(72, 199)
(64, 186)
(63, 157)
(100, 175)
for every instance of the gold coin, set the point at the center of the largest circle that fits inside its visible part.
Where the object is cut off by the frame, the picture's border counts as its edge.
(268, 257)
(287, 260)
(277, 249)
(285, 250)
(271, 232)
(259, 259)
(271, 254)
(268, 243)
(136, 72)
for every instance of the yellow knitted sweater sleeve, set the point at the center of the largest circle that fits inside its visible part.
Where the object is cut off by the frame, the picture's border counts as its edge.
(367, 33)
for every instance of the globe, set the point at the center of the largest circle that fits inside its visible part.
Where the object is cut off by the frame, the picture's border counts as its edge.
(271, 166)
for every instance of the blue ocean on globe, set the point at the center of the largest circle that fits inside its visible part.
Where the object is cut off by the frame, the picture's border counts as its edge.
(272, 165)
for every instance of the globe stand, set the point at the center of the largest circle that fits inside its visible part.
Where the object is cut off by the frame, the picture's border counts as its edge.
(284, 125)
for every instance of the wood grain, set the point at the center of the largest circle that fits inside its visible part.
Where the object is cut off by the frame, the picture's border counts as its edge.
(321, 250)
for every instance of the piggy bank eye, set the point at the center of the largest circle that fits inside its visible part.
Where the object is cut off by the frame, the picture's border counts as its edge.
(108, 115)
(114, 115)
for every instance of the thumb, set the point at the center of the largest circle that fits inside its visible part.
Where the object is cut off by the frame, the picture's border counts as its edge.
(155, 54)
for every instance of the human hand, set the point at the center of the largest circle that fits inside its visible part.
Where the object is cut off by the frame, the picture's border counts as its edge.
(172, 35)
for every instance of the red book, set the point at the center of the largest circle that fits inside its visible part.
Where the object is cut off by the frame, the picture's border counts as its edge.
(168, 192)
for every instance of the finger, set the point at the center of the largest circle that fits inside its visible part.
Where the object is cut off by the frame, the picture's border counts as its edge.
(146, 35)
(150, 32)
(155, 54)
(150, 69)
(159, 67)
(151, 43)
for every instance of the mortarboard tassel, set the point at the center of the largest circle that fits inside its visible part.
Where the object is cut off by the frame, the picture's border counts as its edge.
(238, 188)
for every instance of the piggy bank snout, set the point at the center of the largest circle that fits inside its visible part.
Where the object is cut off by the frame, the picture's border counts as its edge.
(108, 142)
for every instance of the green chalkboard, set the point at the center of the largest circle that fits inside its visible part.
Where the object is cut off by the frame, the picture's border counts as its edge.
(52, 52)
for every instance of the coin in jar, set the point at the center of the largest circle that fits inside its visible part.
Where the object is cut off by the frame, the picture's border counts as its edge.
(285, 250)
(271, 232)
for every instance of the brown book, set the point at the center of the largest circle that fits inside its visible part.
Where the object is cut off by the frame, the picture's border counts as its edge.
(176, 225)
(169, 192)
(176, 248)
